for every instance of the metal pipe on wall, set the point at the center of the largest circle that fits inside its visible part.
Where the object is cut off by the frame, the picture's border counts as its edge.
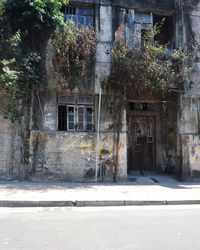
(98, 136)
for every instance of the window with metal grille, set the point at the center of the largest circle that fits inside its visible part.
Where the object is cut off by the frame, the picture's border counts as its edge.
(80, 15)
(75, 113)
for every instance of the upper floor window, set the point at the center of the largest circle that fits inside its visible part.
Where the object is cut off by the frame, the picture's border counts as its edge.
(75, 113)
(166, 33)
(80, 15)
(143, 18)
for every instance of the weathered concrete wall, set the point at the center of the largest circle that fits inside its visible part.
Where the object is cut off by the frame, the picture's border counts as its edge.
(191, 159)
(195, 29)
(189, 137)
(165, 114)
(189, 102)
(189, 116)
(162, 5)
(71, 156)
(6, 148)
(194, 155)
(7, 130)
(105, 40)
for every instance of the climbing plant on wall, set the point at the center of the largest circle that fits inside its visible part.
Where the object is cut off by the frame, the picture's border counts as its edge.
(74, 51)
(146, 65)
(150, 64)
(25, 27)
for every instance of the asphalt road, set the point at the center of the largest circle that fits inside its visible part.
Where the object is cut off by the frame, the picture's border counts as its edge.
(110, 228)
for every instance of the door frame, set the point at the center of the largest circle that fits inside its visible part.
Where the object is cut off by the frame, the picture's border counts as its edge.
(153, 114)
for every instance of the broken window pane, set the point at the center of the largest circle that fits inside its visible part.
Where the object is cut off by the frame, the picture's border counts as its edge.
(62, 118)
(166, 33)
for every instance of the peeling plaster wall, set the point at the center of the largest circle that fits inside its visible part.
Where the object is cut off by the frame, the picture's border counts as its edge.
(59, 155)
(189, 102)
(195, 28)
(191, 161)
(67, 155)
(189, 116)
(105, 39)
(71, 156)
(6, 148)
(161, 5)
(7, 130)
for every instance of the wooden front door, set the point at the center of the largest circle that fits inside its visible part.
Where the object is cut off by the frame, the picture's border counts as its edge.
(141, 131)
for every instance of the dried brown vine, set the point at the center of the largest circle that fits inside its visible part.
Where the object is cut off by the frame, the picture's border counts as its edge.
(74, 51)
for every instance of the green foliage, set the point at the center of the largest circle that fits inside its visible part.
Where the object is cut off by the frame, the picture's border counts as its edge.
(8, 77)
(74, 51)
(30, 66)
(1, 7)
(33, 15)
(25, 26)
(151, 64)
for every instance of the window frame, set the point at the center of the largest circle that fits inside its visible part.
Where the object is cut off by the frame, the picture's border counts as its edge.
(76, 119)
(92, 122)
(64, 119)
(84, 120)
(75, 17)
(71, 106)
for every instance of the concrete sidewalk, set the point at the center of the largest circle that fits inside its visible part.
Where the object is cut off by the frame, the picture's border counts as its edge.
(139, 190)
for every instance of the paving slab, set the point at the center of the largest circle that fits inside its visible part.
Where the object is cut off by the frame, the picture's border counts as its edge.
(144, 188)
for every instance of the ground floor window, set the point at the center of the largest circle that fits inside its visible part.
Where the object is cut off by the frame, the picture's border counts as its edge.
(75, 113)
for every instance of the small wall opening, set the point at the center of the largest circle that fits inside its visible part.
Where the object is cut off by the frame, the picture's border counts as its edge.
(166, 31)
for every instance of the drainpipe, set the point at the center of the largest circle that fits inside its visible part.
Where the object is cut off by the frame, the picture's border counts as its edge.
(183, 41)
(98, 136)
(99, 110)
(182, 22)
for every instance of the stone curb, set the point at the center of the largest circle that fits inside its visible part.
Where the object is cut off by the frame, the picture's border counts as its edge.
(97, 203)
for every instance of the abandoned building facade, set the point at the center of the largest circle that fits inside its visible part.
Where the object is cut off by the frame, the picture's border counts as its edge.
(72, 132)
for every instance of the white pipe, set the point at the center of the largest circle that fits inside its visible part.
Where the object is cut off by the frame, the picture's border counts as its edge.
(98, 136)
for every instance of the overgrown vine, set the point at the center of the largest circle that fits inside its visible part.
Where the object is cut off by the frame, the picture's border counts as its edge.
(25, 27)
(146, 65)
(74, 52)
(150, 64)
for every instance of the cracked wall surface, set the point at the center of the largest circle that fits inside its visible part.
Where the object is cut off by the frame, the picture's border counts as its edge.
(71, 156)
